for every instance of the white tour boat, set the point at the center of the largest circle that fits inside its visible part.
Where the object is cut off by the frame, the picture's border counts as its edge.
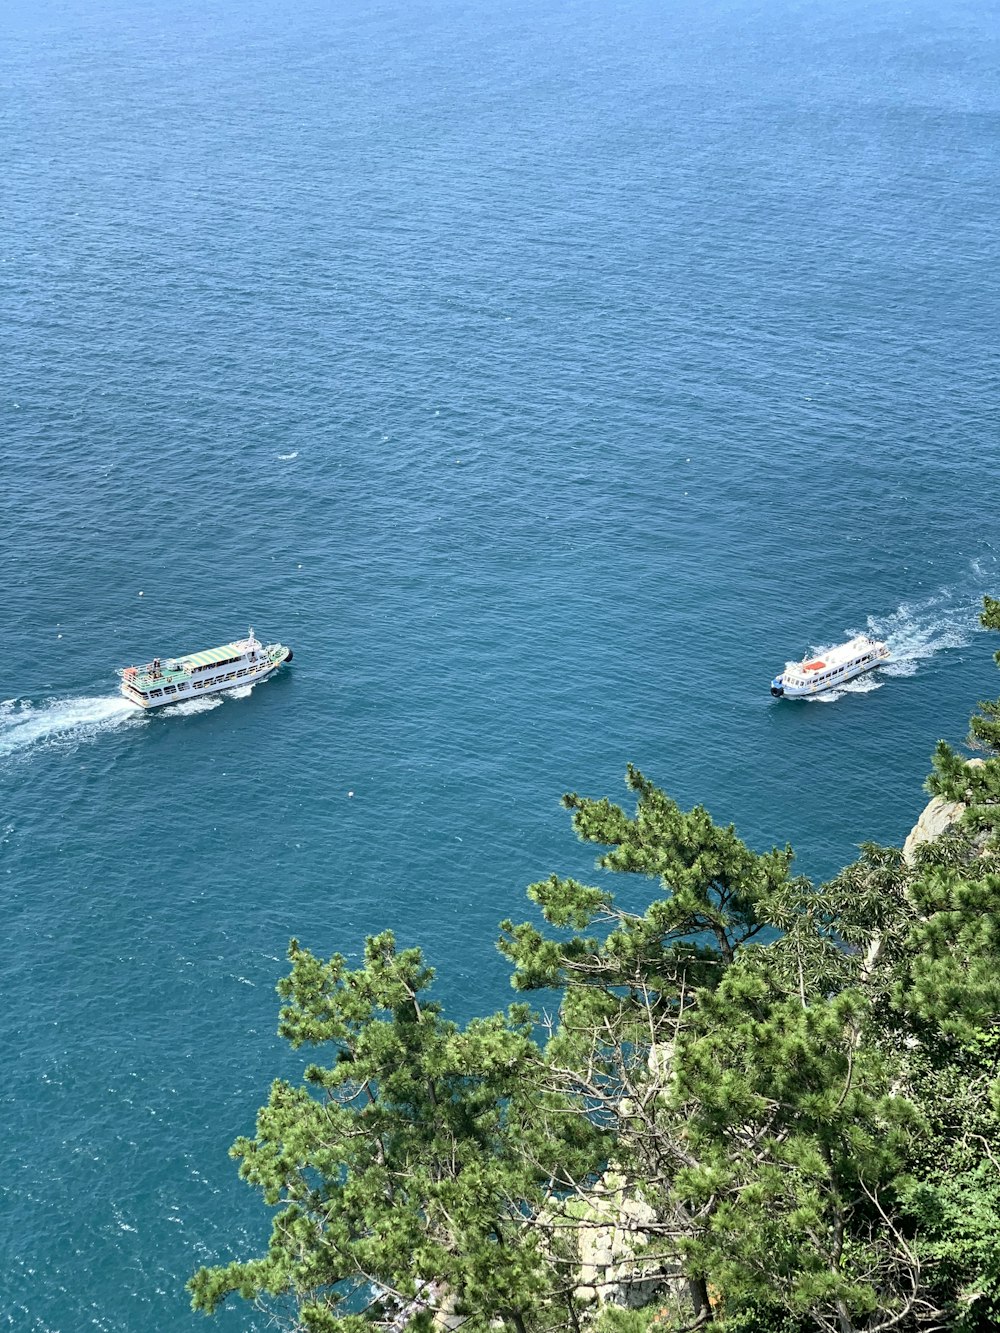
(799, 680)
(170, 680)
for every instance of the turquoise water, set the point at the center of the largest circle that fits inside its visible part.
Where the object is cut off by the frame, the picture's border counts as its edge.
(545, 376)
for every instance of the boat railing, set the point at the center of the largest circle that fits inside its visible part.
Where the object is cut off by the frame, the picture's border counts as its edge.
(153, 673)
(151, 670)
(169, 670)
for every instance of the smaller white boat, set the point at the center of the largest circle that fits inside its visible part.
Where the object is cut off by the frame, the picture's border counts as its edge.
(836, 666)
(170, 680)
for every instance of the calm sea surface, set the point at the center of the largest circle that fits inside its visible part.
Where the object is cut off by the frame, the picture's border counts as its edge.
(545, 374)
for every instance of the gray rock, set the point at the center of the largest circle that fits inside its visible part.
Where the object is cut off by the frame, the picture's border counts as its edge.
(936, 816)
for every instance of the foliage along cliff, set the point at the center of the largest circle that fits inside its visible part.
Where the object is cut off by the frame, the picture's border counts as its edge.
(764, 1105)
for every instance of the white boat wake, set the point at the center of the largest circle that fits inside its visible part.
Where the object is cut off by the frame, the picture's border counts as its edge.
(863, 685)
(66, 723)
(190, 707)
(917, 631)
(24, 725)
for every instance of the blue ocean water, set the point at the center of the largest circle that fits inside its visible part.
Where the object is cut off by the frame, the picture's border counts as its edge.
(545, 375)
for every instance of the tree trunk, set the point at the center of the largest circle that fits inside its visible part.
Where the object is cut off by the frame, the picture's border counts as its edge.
(698, 1288)
(844, 1319)
(572, 1314)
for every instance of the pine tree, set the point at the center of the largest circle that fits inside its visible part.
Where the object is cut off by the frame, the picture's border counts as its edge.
(788, 1095)
(405, 1170)
(731, 1037)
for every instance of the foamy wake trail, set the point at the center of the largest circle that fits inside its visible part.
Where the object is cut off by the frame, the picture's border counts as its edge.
(60, 721)
(203, 705)
(862, 685)
(190, 706)
(917, 631)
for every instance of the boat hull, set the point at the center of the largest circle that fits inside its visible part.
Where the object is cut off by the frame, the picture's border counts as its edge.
(782, 691)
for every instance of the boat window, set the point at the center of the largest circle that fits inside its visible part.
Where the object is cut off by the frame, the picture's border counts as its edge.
(171, 689)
